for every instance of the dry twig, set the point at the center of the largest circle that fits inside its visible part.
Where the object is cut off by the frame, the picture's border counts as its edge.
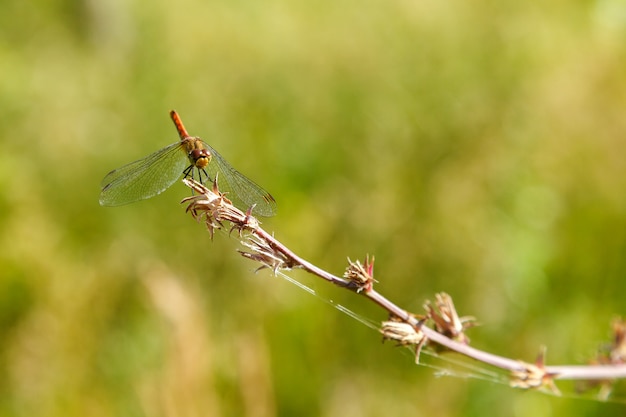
(448, 328)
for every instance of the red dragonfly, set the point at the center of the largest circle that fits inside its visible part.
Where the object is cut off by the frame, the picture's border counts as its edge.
(156, 172)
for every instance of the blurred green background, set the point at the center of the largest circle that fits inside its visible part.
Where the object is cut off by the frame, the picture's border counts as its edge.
(473, 147)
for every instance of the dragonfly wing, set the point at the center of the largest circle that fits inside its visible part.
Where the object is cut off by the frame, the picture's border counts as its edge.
(144, 178)
(242, 191)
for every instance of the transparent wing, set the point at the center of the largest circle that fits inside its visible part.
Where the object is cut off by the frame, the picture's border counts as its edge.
(144, 178)
(242, 191)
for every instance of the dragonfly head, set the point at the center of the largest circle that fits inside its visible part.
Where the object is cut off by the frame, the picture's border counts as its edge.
(198, 154)
(200, 158)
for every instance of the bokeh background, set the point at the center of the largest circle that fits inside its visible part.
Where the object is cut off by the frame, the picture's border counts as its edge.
(473, 147)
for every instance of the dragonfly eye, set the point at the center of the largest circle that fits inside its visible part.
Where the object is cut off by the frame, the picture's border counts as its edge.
(200, 158)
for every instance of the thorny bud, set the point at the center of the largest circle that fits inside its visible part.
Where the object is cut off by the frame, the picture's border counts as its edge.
(610, 354)
(361, 275)
(405, 334)
(261, 251)
(447, 320)
(212, 206)
(615, 352)
(618, 348)
(534, 375)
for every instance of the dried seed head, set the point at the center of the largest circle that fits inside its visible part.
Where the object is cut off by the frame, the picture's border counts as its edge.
(212, 206)
(261, 251)
(534, 376)
(618, 347)
(361, 275)
(404, 334)
(447, 320)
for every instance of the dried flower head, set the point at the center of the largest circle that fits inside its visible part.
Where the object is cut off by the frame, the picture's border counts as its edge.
(618, 347)
(261, 251)
(609, 354)
(405, 334)
(447, 320)
(213, 206)
(534, 375)
(361, 275)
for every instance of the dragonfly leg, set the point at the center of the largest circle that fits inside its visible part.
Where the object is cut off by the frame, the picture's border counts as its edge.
(188, 172)
(208, 179)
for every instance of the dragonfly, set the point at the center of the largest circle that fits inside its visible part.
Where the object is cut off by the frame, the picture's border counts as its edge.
(190, 156)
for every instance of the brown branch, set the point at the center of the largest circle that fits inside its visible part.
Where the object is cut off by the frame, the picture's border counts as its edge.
(440, 327)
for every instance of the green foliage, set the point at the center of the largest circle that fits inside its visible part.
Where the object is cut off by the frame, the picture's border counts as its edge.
(473, 147)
